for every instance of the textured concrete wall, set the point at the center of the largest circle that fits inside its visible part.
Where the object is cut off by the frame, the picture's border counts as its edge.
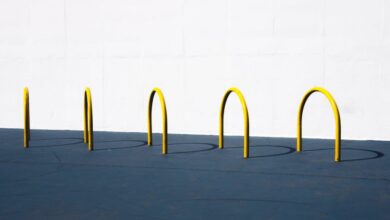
(273, 50)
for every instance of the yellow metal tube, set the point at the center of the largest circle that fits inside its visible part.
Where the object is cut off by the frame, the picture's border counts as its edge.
(337, 153)
(164, 118)
(26, 111)
(246, 120)
(88, 119)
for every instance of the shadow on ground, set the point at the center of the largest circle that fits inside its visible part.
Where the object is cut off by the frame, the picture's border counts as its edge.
(374, 154)
(126, 146)
(210, 148)
(48, 142)
(286, 150)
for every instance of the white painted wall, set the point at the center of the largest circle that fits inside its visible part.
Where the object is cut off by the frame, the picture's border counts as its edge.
(273, 50)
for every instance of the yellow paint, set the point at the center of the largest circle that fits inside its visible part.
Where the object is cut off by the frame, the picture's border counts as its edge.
(164, 118)
(246, 120)
(88, 119)
(336, 118)
(26, 108)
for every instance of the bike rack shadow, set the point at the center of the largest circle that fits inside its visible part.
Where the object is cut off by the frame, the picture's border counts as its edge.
(142, 143)
(79, 141)
(289, 150)
(212, 147)
(376, 154)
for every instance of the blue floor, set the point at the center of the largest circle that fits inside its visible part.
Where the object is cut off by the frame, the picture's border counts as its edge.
(57, 178)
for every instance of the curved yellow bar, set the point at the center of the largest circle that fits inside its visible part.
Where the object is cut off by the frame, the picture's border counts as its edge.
(164, 118)
(336, 118)
(88, 119)
(26, 108)
(246, 120)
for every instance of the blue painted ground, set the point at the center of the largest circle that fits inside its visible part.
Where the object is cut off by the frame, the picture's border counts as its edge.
(57, 178)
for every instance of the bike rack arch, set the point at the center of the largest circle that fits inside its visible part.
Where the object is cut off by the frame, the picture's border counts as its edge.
(336, 113)
(26, 110)
(164, 118)
(246, 119)
(88, 119)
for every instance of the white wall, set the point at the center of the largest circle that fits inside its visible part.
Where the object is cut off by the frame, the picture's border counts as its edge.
(273, 50)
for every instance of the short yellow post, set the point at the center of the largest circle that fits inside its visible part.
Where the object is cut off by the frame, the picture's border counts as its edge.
(164, 118)
(88, 119)
(26, 111)
(246, 120)
(337, 153)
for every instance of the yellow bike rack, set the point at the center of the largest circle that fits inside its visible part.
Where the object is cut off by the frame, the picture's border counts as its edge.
(246, 119)
(88, 119)
(336, 117)
(164, 118)
(26, 107)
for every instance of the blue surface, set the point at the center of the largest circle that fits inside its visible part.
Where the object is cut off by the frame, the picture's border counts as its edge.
(57, 178)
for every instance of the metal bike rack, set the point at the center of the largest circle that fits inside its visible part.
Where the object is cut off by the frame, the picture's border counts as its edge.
(164, 118)
(336, 118)
(246, 119)
(88, 119)
(26, 108)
